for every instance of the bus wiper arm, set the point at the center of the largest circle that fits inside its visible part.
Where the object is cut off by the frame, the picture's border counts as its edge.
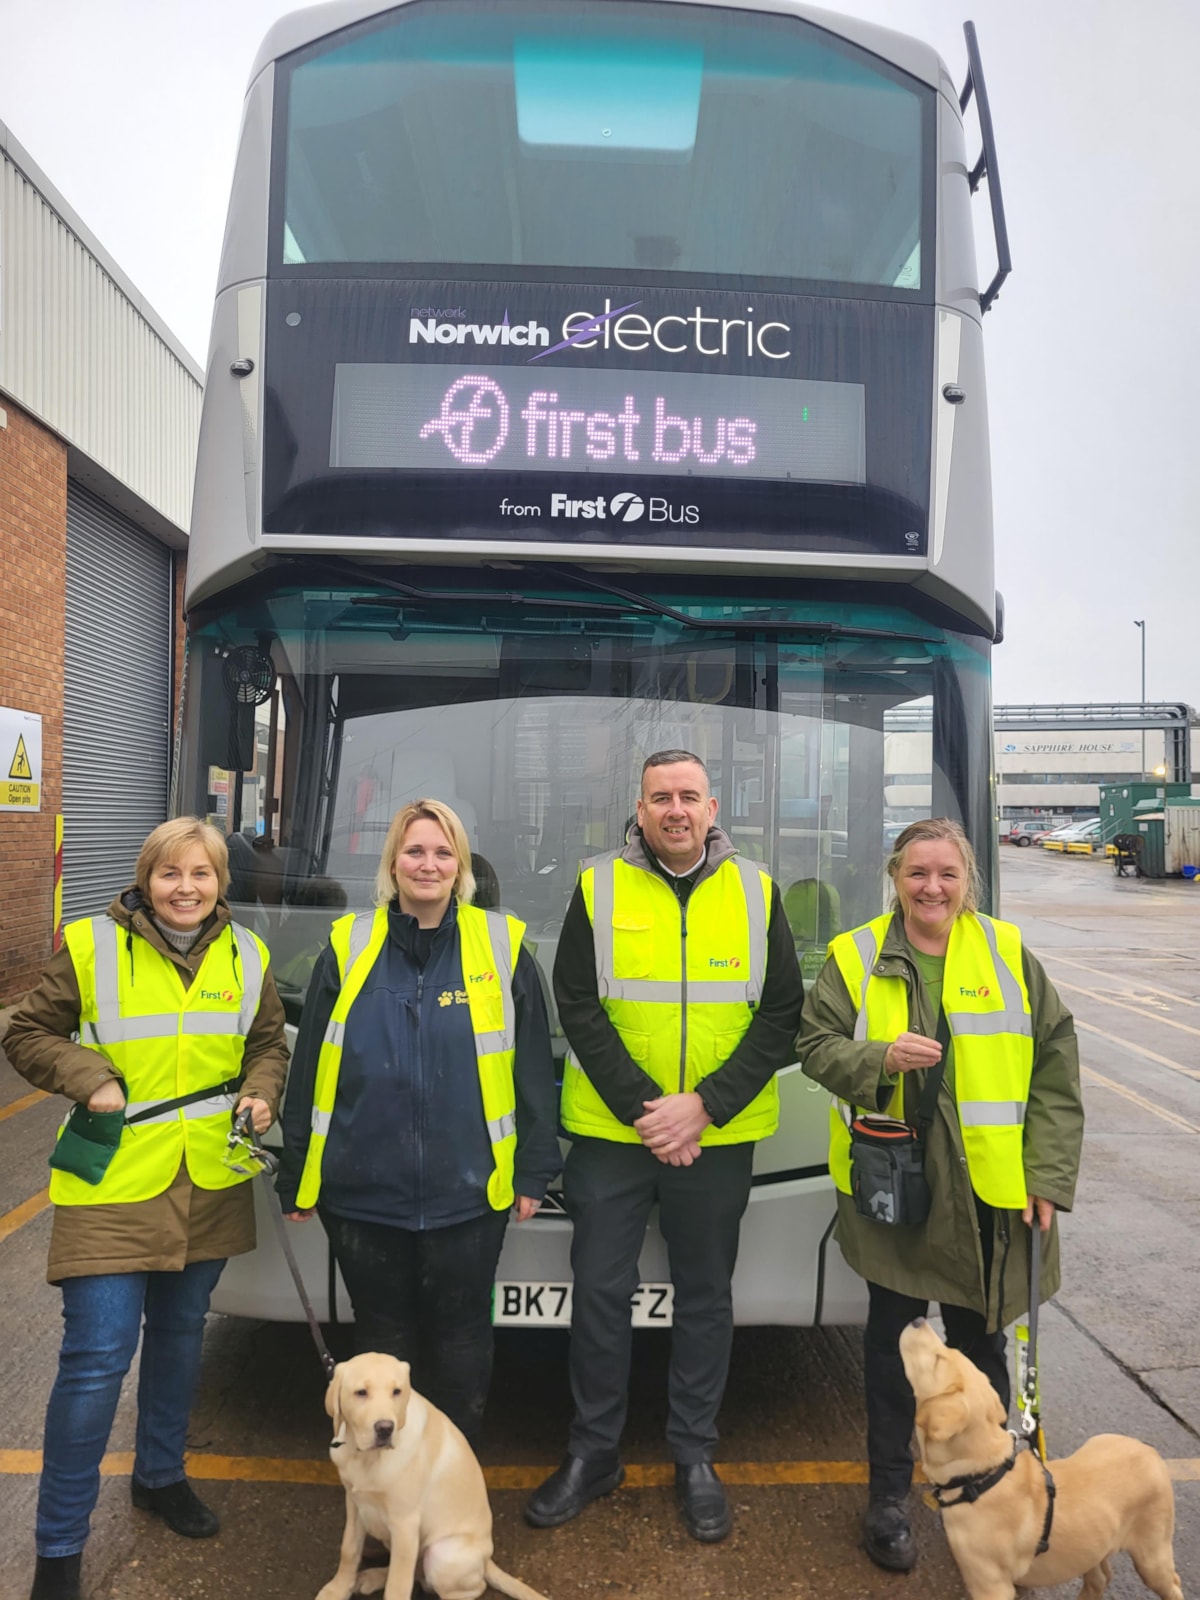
(409, 591)
(725, 624)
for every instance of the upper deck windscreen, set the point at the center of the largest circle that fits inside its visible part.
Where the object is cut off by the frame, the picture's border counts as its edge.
(608, 138)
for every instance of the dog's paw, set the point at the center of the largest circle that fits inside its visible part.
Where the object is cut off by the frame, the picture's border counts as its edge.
(336, 1589)
(371, 1580)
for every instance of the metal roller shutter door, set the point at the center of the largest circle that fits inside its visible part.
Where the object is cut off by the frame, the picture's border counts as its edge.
(117, 698)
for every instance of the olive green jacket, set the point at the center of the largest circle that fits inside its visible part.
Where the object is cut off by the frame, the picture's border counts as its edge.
(942, 1259)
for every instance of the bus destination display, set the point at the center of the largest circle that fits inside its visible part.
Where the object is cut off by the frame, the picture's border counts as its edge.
(405, 416)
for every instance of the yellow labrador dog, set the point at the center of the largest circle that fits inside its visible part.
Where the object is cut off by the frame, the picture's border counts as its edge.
(412, 1481)
(1112, 1494)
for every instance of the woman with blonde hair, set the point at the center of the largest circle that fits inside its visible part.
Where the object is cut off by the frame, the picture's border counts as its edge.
(422, 1107)
(934, 1020)
(160, 1020)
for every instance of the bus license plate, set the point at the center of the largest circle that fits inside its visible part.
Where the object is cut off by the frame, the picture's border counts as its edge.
(548, 1305)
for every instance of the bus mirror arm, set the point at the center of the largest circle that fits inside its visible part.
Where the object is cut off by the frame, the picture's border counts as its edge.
(986, 165)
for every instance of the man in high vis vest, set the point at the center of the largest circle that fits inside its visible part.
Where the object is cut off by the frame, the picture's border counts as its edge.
(679, 994)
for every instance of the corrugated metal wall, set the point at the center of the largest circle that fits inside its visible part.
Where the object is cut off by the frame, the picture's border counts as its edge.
(117, 699)
(79, 352)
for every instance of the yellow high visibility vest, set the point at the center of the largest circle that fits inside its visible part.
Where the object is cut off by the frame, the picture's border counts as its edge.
(679, 1023)
(489, 942)
(164, 1041)
(987, 1009)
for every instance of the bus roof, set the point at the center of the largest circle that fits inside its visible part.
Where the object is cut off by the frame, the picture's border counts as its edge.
(921, 61)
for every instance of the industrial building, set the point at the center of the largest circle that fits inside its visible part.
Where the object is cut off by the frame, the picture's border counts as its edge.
(99, 414)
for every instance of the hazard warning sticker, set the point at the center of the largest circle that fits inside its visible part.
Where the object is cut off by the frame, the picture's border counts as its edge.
(20, 760)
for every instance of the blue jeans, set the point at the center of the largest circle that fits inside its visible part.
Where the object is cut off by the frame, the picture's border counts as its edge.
(102, 1319)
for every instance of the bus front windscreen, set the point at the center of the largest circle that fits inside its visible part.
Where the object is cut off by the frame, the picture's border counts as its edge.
(609, 138)
(533, 721)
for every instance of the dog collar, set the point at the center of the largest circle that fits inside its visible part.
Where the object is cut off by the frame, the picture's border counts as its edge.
(972, 1486)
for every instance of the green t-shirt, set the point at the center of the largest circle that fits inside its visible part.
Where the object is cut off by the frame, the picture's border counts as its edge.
(933, 972)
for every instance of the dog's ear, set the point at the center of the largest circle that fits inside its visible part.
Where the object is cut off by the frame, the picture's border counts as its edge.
(404, 1384)
(943, 1415)
(333, 1397)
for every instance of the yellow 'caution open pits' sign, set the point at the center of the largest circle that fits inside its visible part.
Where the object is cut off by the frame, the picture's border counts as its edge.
(20, 760)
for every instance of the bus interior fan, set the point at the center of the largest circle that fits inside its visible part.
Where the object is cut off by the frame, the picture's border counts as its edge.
(248, 674)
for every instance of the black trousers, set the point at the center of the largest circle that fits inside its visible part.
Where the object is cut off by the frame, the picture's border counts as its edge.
(891, 1407)
(425, 1296)
(609, 1190)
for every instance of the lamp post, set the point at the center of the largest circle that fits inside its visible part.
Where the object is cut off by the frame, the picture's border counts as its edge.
(1140, 623)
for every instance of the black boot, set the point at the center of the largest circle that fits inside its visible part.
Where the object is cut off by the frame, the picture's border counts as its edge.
(569, 1488)
(179, 1506)
(887, 1535)
(702, 1500)
(56, 1578)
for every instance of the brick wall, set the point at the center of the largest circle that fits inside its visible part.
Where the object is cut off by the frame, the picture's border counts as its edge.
(33, 604)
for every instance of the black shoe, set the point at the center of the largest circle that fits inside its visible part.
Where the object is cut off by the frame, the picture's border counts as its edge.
(888, 1537)
(573, 1485)
(180, 1508)
(56, 1578)
(701, 1497)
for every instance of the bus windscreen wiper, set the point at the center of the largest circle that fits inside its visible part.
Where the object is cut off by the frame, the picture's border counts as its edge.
(829, 629)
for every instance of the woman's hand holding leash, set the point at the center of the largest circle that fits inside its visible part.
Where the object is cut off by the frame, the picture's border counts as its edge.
(910, 1052)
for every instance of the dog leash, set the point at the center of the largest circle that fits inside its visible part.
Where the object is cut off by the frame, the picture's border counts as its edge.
(1029, 1401)
(263, 1162)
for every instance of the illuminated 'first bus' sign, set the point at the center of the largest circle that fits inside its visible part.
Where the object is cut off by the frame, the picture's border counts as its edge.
(406, 416)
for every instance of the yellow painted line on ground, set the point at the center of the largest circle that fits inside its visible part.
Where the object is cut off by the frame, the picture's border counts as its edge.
(1092, 1076)
(1150, 1016)
(23, 1104)
(1180, 999)
(655, 1475)
(20, 1215)
(1139, 1049)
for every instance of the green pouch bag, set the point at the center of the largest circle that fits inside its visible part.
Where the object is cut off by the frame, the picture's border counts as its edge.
(88, 1142)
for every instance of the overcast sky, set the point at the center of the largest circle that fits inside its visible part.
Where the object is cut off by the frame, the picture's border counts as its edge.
(131, 108)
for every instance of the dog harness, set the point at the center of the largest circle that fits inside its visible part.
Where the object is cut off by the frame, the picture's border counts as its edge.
(971, 1485)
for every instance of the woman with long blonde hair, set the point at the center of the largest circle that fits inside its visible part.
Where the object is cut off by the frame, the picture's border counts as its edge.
(422, 1107)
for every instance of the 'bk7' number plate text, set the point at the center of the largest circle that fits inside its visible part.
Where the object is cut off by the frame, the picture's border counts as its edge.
(548, 1305)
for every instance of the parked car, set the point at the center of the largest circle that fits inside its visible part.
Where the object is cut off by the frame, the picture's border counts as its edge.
(1027, 831)
(1085, 831)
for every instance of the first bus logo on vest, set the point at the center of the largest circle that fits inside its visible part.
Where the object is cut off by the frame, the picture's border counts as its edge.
(731, 961)
(227, 995)
(482, 977)
(976, 994)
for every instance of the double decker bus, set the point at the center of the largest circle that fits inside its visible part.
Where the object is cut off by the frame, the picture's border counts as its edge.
(591, 377)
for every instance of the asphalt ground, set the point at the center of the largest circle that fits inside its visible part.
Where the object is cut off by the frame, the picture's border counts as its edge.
(1119, 1348)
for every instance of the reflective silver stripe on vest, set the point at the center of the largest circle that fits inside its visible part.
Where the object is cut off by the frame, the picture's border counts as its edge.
(666, 991)
(868, 951)
(361, 930)
(163, 1026)
(106, 938)
(500, 935)
(1013, 1019)
(756, 910)
(335, 1033)
(503, 1128)
(321, 1121)
(214, 1105)
(210, 1022)
(991, 1113)
(603, 900)
(252, 976)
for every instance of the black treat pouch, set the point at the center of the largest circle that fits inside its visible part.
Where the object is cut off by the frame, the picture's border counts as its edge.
(887, 1171)
(887, 1156)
